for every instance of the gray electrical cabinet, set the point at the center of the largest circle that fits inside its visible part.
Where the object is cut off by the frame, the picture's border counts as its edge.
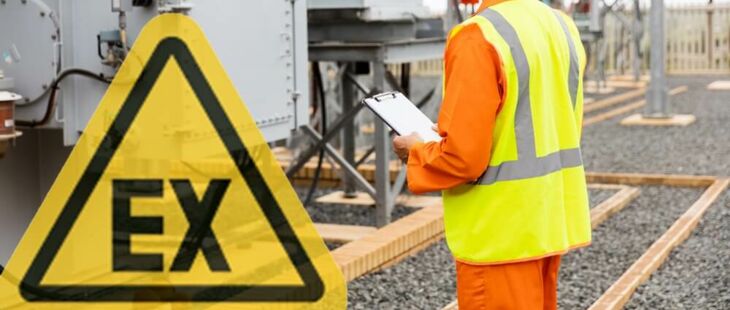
(262, 45)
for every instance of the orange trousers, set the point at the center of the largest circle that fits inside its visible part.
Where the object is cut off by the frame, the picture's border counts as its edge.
(526, 285)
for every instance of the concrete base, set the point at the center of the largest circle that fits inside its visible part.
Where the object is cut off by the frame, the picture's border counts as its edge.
(338, 197)
(719, 85)
(674, 120)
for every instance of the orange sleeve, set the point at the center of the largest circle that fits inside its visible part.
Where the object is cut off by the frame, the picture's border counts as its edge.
(473, 88)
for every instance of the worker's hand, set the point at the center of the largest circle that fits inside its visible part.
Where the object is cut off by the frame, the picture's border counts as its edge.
(402, 145)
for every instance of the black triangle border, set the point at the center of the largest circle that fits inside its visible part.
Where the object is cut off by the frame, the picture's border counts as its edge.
(31, 288)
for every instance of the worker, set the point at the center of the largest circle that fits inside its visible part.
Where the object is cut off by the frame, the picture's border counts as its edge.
(509, 163)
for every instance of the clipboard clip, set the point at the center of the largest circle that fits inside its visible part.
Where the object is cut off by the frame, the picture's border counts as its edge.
(384, 96)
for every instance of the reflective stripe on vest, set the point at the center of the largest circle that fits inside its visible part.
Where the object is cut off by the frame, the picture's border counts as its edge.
(574, 70)
(528, 165)
(532, 200)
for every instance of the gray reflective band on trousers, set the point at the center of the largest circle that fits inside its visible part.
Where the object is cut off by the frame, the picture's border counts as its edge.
(528, 165)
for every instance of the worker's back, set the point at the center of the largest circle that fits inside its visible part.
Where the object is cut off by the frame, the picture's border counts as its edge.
(532, 200)
(546, 49)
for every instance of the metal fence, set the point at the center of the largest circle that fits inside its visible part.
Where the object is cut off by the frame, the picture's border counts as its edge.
(698, 41)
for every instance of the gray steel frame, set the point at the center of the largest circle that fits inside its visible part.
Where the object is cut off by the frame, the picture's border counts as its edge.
(378, 54)
(592, 32)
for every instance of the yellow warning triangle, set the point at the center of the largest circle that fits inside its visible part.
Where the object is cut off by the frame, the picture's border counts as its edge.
(171, 197)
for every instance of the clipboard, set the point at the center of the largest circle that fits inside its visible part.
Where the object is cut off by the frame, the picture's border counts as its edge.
(401, 115)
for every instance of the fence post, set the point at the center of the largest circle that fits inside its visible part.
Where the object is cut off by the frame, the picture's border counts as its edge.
(710, 37)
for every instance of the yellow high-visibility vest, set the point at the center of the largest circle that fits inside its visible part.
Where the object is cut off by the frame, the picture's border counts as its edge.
(532, 200)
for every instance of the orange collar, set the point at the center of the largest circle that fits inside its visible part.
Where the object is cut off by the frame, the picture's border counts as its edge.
(488, 3)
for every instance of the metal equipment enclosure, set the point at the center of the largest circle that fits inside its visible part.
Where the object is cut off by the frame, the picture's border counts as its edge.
(263, 52)
(262, 45)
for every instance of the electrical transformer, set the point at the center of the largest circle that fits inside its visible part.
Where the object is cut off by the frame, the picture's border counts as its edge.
(58, 56)
(258, 42)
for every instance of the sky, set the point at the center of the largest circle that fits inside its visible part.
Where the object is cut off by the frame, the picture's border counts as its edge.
(436, 5)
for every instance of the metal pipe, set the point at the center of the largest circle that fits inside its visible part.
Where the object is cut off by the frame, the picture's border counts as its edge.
(383, 200)
(342, 162)
(357, 83)
(54, 89)
(123, 34)
(323, 126)
(400, 180)
(657, 99)
(393, 82)
(637, 32)
(405, 78)
(710, 36)
(595, 16)
(337, 125)
(309, 152)
(348, 132)
(453, 8)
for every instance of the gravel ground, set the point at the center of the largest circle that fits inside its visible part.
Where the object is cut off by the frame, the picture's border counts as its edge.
(359, 215)
(586, 273)
(429, 288)
(697, 274)
(701, 148)
(345, 214)
(426, 281)
(617, 91)
(332, 245)
(596, 196)
(423, 281)
(351, 215)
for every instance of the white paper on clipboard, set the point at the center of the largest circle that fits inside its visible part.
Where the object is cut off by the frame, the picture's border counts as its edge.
(401, 115)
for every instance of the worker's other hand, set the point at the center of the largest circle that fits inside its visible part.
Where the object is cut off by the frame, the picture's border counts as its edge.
(402, 145)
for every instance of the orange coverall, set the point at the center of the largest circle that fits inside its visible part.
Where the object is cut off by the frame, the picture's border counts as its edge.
(474, 86)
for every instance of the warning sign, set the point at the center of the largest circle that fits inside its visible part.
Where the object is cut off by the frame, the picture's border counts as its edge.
(171, 197)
